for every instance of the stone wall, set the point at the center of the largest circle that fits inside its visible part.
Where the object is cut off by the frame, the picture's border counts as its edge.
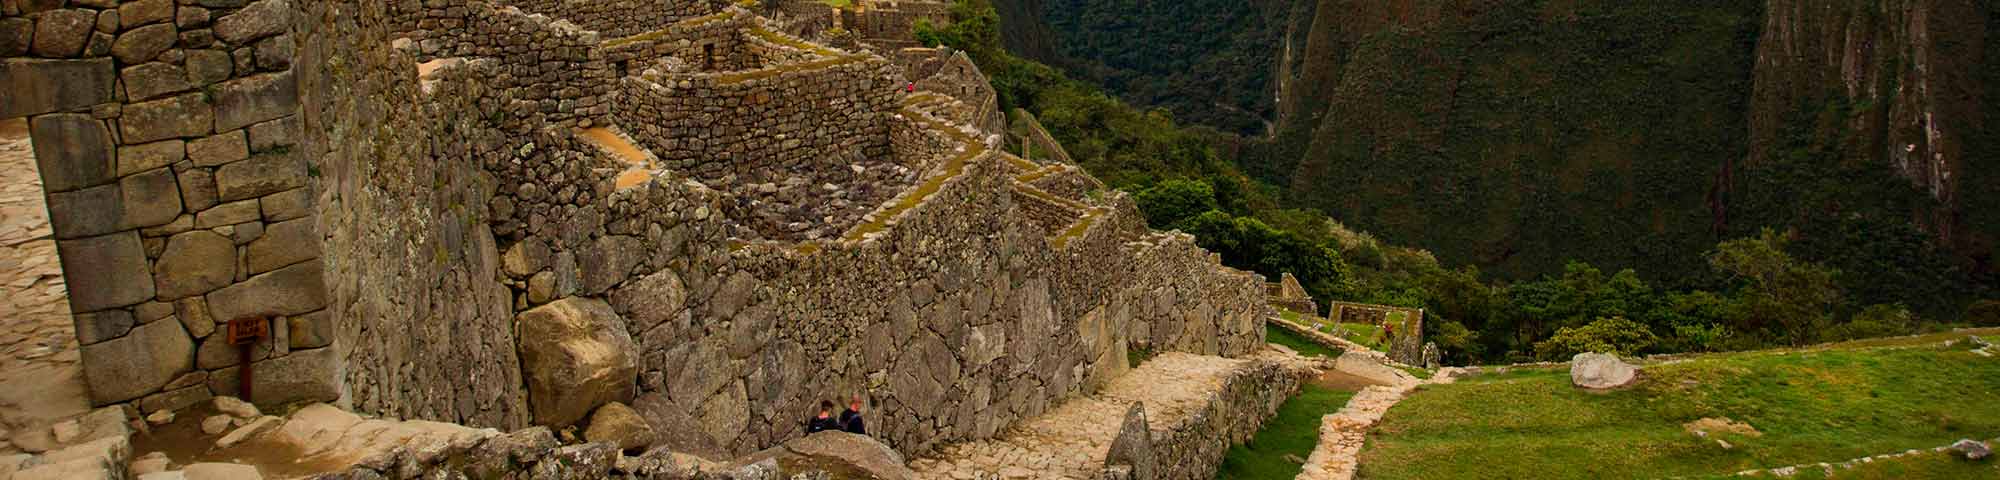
(887, 25)
(1288, 294)
(1407, 339)
(165, 136)
(553, 68)
(1193, 448)
(691, 42)
(1069, 182)
(1046, 214)
(952, 73)
(619, 18)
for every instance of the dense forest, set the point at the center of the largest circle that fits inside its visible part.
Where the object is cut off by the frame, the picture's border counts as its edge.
(1787, 270)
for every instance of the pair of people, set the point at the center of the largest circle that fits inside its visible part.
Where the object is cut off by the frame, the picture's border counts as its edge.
(849, 420)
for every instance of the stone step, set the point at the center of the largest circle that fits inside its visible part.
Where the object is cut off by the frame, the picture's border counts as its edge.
(1193, 406)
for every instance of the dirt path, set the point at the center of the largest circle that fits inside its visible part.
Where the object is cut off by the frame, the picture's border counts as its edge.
(41, 380)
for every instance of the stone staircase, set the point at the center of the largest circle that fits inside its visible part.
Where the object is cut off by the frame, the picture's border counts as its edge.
(1193, 407)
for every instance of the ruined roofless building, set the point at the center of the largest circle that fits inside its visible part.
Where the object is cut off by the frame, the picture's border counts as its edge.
(504, 214)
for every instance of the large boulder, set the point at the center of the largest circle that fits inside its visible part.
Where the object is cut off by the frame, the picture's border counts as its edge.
(1371, 368)
(1971, 450)
(617, 424)
(831, 451)
(575, 355)
(1598, 371)
(139, 363)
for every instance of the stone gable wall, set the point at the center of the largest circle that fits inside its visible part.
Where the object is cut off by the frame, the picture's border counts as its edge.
(166, 137)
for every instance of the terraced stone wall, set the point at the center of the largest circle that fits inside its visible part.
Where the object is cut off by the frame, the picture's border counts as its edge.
(166, 138)
(619, 18)
(692, 43)
(554, 68)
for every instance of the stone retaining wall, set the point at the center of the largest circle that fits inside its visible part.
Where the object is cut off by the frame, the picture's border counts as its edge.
(691, 42)
(553, 68)
(618, 18)
(1193, 448)
(716, 125)
(165, 133)
(1047, 215)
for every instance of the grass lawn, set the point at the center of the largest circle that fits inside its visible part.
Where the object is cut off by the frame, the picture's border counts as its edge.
(1297, 343)
(1925, 465)
(1807, 406)
(1294, 431)
(838, 3)
(1367, 335)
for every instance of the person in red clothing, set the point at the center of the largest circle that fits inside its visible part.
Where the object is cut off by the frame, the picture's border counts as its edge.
(910, 87)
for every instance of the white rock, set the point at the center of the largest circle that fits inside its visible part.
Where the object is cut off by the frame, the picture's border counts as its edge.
(215, 425)
(236, 407)
(161, 417)
(1600, 371)
(221, 471)
(150, 463)
(248, 432)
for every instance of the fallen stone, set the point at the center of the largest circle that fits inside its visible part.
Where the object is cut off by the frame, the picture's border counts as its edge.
(1368, 367)
(249, 431)
(215, 424)
(1599, 371)
(1971, 450)
(859, 451)
(150, 463)
(221, 471)
(574, 357)
(236, 407)
(616, 424)
(166, 475)
(104, 458)
(161, 417)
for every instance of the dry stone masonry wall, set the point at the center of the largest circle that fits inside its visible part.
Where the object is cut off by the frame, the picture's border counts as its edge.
(166, 135)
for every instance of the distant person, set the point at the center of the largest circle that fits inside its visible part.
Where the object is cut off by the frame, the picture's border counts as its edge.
(910, 87)
(850, 419)
(824, 421)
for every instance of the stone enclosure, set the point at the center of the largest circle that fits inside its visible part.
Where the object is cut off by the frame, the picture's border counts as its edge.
(401, 191)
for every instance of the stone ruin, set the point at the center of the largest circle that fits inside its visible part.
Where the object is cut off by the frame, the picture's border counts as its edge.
(508, 214)
(1286, 293)
(1406, 338)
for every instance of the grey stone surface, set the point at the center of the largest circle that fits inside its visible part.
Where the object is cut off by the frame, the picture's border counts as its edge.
(85, 83)
(575, 356)
(144, 43)
(248, 100)
(275, 53)
(257, 20)
(72, 151)
(261, 175)
(194, 263)
(219, 149)
(139, 158)
(198, 189)
(137, 364)
(88, 212)
(227, 214)
(105, 272)
(103, 325)
(282, 132)
(291, 290)
(284, 243)
(153, 79)
(286, 205)
(1600, 371)
(63, 33)
(16, 36)
(617, 424)
(142, 12)
(186, 115)
(206, 67)
(312, 330)
(149, 198)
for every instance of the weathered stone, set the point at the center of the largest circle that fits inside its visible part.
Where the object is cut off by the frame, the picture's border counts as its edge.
(861, 452)
(100, 45)
(312, 330)
(84, 83)
(141, 12)
(193, 313)
(191, 17)
(216, 424)
(274, 134)
(175, 399)
(249, 232)
(191, 379)
(137, 364)
(87, 212)
(286, 205)
(17, 35)
(107, 21)
(651, 300)
(542, 288)
(142, 44)
(93, 459)
(216, 352)
(227, 214)
(139, 158)
(616, 424)
(206, 67)
(62, 33)
(245, 101)
(186, 115)
(258, 20)
(261, 175)
(1971, 449)
(105, 272)
(218, 149)
(284, 243)
(150, 311)
(291, 290)
(303, 376)
(275, 53)
(575, 355)
(103, 325)
(195, 263)
(608, 261)
(525, 258)
(162, 417)
(198, 190)
(151, 464)
(225, 471)
(72, 151)
(153, 79)
(1599, 371)
(149, 198)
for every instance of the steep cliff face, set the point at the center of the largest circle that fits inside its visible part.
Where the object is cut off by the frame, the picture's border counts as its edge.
(1901, 84)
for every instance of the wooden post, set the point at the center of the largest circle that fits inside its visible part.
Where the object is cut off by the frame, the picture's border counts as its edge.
(244, 333)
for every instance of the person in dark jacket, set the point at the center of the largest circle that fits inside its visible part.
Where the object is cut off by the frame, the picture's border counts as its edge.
(824, 421)
(850, 419)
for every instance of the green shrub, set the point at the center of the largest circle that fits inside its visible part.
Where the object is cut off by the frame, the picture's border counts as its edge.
(1984, 313)
(1613, 335)
(1876, 321)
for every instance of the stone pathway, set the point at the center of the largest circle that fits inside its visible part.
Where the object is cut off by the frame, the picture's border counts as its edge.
(1072, 440)
(1342, 434)
(41, 380)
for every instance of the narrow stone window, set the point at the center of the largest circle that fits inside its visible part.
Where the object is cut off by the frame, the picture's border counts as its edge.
(708, 55)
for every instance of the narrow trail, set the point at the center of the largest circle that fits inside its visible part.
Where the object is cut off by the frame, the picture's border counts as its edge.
(1342, 434)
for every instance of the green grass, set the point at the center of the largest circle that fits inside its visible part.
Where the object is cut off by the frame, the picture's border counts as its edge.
(1924, 465)
(1367, 335)
(838, 3)
(1294, 431)
(1297, 343)
(1810, 406)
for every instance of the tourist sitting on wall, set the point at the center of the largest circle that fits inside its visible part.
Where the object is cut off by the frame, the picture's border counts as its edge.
(825, 419)
(850, 420)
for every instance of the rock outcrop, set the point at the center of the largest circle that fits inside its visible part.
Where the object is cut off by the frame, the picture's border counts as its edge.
(1598, 371)
(575, 356)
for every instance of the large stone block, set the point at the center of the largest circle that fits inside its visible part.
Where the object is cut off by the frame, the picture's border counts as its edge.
(206, 67)
(142, 44)
(104, 325)
(575, 356)
(105, 272)
(278, 133)
(186, 115)
(139, 158)
(258, 20)
(31, 85)
(284, 243)
(63, 33)
(219, 149)
(302, 376)
(261, 175)
(88, 212)
(142, 12)
(291, 290)
(16, 36)
(286, 205)
(227, 214)
(153, 79)
(194, 263)
(245, 101)
(137, 364)
(149, 198)
(198, 189)
(72, 150)
(312, 330)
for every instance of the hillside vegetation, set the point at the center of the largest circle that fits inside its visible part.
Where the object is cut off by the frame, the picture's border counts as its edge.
(1772, 408)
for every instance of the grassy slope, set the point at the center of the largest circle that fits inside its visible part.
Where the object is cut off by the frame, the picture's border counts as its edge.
(1298, 344)
(1811, 406)
(1926, 465)
(1294, 431)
